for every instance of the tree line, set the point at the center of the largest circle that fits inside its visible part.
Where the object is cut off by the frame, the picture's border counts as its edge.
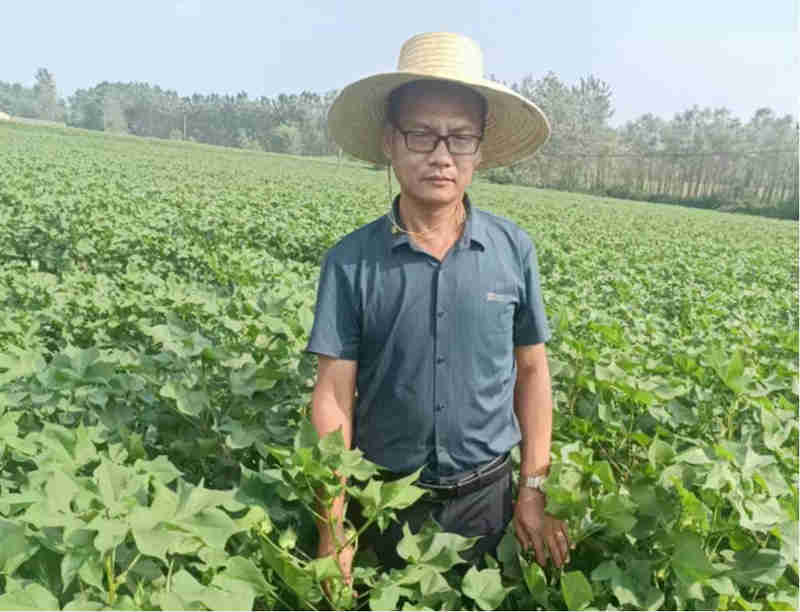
(701, 157)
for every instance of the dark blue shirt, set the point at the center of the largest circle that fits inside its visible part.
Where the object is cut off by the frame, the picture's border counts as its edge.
(434, 341)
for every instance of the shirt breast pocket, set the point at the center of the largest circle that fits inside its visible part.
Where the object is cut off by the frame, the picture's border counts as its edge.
(499, 308)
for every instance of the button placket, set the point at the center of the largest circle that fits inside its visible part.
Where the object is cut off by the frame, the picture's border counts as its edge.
(442, 407)
(438, 402)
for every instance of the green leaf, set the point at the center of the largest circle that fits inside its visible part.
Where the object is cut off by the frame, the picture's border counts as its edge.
(114, 482)
(385, 596)
(536, 581)
(190, 593)
(433, 547)
(576, 590)
(155, 541)
(160, 467)
(607, 570)
(758, 567)
(324, 568)
(787, 532)
(723, 585)
(15, 547)
(617, 512)
(694, 513)
(660, 453)
(31, 597)
(253, 378)
(409, 546)
(91, 572)
(434, 588)
(331, 444)
(753, 462)
(306, 435)
(192, 500)
(507, 554)
(693, 456)
(60, 490)
(784, 600)
(401, 493)
(689, 561)
(602, 469)
(188, 402)
(240, 435)
(110, 533)
(19, 363)
(766, 515)
(213, 526)
(354, 465)
(297, 579)
(484, 587)
(244, 570)
(440, 550)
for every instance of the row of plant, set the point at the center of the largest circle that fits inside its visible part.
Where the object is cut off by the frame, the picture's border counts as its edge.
(155, 300)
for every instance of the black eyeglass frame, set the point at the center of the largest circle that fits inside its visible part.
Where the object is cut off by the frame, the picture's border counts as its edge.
(439, 138)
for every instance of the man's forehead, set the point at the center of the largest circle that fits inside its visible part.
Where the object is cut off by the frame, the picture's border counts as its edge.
(434, 103)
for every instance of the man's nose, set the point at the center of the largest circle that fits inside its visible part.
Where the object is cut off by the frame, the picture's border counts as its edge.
(441, 154)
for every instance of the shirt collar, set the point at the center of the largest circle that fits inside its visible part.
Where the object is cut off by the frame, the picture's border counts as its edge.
(474, 229)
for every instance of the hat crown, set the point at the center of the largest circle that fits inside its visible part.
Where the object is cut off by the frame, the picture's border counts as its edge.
(442, 54)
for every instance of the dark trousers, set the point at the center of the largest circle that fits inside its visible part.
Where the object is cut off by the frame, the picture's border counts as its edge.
(485, 512)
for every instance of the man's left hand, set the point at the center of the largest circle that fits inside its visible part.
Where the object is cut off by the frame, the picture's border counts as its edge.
(535, 528)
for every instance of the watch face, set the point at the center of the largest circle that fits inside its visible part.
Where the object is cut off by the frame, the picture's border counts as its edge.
(534, 482)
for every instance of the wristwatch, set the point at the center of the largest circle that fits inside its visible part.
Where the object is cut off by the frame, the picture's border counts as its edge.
(533, 482)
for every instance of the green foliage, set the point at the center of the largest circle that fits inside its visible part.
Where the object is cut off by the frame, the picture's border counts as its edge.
(155, 450)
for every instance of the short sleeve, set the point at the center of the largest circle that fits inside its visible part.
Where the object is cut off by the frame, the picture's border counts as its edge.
(530, 320)
(337, 329)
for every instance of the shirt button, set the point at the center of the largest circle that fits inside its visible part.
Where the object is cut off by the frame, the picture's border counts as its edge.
(440, 359)
(440, 314)
(439, 407)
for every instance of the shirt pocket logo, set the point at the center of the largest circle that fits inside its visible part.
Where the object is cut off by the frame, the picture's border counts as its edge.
(499, 297)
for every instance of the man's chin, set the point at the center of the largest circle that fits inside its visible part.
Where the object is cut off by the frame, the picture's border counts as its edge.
(438, 196)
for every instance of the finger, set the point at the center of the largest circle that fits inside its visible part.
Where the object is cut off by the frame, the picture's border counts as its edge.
(519, 532)
(538, 545)
(565, 531)
(555, 549)
(563, 542)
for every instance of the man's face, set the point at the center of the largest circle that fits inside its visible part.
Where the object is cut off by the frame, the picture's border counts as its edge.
(437, 178)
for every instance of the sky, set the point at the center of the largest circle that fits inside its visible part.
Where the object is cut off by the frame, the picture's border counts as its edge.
(659, 57)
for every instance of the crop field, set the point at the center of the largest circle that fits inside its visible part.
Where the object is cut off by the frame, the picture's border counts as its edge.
(155, 450)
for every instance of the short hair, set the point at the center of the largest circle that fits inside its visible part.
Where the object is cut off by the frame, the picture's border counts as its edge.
(400, 95)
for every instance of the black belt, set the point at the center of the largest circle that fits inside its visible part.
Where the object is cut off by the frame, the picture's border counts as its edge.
(484, 476)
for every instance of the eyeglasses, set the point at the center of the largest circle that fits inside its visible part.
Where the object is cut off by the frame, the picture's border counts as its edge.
(420, 141)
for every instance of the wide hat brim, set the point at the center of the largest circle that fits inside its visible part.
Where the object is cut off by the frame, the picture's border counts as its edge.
(515, 126)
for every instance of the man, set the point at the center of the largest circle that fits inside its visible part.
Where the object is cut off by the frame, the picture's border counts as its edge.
(433, 312)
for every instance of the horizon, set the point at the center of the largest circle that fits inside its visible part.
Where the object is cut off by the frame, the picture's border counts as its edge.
(654, 59)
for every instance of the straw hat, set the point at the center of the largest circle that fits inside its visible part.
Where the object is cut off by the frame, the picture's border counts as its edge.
(515, 127)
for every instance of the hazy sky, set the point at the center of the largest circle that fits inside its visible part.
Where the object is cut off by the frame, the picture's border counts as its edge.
(659, 56)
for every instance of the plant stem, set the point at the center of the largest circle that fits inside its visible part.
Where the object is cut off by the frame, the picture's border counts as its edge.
(169, 576)
(112, 583)
(124, 574)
